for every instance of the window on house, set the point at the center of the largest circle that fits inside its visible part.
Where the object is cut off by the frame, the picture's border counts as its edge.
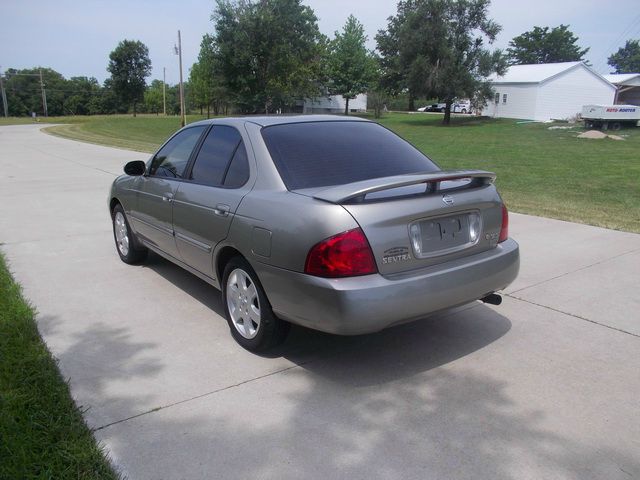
(497, 98)
(504, 98)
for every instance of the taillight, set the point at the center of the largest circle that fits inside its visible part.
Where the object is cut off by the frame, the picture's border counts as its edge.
(504, 230)
(347, 254)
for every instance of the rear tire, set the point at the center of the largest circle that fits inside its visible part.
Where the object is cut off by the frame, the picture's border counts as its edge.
(127, 246)
(248, 311)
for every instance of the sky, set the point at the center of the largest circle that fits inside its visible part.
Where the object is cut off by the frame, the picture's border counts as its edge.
(75, 37)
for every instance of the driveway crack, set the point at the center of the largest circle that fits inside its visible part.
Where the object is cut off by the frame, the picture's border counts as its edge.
(510, 295)
(213, 392)
(574, 271)
(60, 157)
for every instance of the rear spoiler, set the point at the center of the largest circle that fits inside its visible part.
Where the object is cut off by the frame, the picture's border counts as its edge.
(351, 191)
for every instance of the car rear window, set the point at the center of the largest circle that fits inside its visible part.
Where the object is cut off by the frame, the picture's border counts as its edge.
(318, 154)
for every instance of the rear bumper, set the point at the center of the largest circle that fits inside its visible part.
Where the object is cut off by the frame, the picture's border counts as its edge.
(357, 305)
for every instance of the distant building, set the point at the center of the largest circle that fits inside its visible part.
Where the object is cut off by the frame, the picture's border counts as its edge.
(628, 85)
(334, 104)
(548, 91)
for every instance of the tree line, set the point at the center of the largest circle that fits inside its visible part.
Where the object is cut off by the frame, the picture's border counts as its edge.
(78, 95)
(269, 55)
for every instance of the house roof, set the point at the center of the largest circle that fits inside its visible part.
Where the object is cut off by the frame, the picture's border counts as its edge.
(621, 78)
(533, 73)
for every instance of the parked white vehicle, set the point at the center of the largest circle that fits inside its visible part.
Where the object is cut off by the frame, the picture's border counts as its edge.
(458, 106)
(610, 116)
(436, 107)
(461, 106)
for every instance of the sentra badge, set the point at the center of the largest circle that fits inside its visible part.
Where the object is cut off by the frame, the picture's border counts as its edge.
(396, 254)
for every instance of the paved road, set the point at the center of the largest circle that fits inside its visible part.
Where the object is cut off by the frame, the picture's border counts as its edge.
(545, 386)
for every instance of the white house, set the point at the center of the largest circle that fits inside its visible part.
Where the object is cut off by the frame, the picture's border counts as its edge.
(548, 91)
(334, 104)
(628, 85)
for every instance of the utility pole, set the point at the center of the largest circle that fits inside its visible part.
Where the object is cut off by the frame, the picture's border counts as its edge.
(4, 98)
(178, 51)
(164, 94)
(44, 96)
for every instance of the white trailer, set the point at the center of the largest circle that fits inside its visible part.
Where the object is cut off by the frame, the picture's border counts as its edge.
(610, 116)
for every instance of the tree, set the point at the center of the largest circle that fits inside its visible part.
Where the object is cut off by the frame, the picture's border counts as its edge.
(75, 96)
(129, 65)
(351, 66)
(24, 92)
(269, 52)
(393, 78)
(173, 98)
(207, 82)
(439, 45)
(377, 96)
(153, 97)
(110, 102)
(542, 45)
(627, 58)
(82, 91)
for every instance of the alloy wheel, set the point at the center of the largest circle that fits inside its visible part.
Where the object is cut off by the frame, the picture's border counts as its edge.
(243, 303)
(122, 235)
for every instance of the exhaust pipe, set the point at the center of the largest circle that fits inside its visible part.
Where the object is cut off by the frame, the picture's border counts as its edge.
(492, 298)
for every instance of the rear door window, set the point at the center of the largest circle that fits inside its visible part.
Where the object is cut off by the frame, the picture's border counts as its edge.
(214, 156)
(171, 160)
(317, 154)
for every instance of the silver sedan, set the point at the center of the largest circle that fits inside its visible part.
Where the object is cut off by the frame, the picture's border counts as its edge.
(333, 223)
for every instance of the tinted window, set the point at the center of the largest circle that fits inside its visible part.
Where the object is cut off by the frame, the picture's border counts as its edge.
(238, 172)
(318, 154)
(172, 159)
(215, 154)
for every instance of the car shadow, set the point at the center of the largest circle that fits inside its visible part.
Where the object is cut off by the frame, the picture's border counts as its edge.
(196, 288)
(375, 358)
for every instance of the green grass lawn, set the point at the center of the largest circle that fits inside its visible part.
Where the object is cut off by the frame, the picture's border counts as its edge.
(143, 133)
(42, 433)
(540, 171)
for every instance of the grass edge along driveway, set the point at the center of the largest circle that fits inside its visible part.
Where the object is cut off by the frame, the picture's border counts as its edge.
(42, 432)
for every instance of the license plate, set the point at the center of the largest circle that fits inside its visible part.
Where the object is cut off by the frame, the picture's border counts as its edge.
(441, 235)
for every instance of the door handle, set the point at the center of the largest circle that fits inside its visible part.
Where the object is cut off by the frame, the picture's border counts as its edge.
(221, 210)
(167, 197)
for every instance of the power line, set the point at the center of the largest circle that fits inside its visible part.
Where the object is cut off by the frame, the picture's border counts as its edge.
(633, 24)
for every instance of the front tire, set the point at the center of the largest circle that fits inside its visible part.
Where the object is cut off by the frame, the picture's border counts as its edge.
(126, 245)
(251, 321)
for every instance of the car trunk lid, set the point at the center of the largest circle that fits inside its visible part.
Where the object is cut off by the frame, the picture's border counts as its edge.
(418, 220)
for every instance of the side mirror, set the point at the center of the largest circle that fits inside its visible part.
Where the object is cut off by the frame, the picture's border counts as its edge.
(135, 168)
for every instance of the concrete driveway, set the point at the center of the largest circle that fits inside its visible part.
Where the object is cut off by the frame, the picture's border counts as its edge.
(545, 386)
